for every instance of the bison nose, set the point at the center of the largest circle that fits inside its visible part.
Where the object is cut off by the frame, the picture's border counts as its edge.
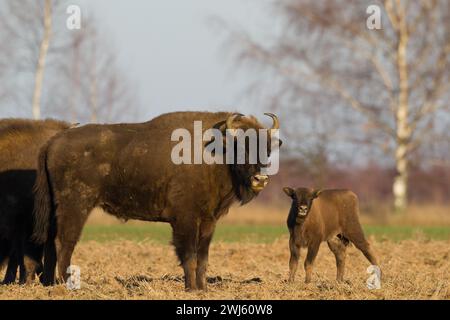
(303, 210)
(261, 178)
(259, 181)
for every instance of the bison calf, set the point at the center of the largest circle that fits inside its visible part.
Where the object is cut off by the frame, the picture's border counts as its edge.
(324, 215)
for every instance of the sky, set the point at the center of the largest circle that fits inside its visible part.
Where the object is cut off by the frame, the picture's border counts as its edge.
(175, 55)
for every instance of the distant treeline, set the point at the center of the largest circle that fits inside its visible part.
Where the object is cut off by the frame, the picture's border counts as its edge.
(372, 182)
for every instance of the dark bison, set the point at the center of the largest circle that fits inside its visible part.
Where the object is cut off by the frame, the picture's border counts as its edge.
(20, 142)
(127, 170)
(324, 215)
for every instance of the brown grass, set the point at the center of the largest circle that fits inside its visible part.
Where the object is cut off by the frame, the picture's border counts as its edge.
(413, 269)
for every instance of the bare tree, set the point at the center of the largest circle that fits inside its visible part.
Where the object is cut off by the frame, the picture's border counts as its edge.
(32, 45)
(392, 82)
(95, 86)
(72, 74)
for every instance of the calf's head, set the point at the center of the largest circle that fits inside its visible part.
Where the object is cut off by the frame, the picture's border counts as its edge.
(302, 199)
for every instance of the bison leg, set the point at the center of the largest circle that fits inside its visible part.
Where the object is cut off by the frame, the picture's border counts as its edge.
(70, 224)
(22, 272)
(48, 275)
(339, 250)
(206, 234)
(11, 271)
(64, 251)
(293, 261)
(313, 249)
(185, 240)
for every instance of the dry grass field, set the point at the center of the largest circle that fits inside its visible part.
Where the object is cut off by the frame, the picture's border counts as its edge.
(415, 266)
(412, 269)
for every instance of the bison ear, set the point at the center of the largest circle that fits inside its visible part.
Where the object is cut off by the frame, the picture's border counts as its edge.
(289, 191)
(316, 193)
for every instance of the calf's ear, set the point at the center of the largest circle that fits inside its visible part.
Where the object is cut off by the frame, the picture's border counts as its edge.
(316, 193)
(288, 191)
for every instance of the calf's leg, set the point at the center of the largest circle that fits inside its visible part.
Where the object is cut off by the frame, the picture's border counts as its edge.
(313, 249)
(356, 236)
(338, 248)
(360, 242)
(29, 270)
(354, 232)
(293, 260)
(31, 261)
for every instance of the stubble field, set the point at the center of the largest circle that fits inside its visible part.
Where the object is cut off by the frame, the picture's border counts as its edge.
(117, 262)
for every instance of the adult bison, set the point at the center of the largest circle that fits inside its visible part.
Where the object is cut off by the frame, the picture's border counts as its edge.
(127, 170)
(20, 142)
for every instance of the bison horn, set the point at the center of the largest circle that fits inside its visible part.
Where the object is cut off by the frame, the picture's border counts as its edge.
(276, 123)
(231, 119)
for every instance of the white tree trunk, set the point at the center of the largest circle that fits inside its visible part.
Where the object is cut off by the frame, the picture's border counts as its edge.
(403, 132)
(76, 83)
(39, 75)
(400, 186)
(93, 83)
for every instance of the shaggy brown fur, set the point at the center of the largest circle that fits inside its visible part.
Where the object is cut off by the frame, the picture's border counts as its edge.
(126, 169)
(20, 142)
(324, 215)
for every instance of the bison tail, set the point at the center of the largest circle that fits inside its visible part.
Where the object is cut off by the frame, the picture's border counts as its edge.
(43, 207)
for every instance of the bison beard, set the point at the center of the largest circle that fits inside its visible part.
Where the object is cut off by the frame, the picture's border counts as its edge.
(20, 142)
(126, 169)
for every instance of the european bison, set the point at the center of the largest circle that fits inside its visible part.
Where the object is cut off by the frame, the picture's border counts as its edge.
(127, 170)
(324, 215)
(20, 141)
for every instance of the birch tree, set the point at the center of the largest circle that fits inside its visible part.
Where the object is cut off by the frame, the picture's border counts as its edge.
(48, 68)
(33, 44)
(394, 82)
(40, 67)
